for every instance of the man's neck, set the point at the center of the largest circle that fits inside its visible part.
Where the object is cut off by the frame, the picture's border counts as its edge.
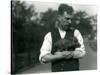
(61, 30)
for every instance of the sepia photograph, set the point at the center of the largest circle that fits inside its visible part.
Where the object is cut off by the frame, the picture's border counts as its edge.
(53, 37)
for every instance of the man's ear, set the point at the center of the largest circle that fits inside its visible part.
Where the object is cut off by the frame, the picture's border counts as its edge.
(59, 18)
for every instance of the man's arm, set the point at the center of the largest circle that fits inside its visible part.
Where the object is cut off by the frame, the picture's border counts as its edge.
(45, 52)
(50, 57)
(79, 52)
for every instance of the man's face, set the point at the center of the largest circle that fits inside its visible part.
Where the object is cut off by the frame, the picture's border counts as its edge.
(64, 21)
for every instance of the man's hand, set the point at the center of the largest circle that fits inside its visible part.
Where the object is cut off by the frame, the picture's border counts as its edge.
(64, 54)
(67, 54)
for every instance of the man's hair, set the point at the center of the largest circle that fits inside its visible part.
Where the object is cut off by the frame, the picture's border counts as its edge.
(64, 7)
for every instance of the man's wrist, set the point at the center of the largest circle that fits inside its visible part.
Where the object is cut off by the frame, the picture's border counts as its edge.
(59, 55)
(72, 54)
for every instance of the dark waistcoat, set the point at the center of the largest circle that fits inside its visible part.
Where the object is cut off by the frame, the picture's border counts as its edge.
(63, 64)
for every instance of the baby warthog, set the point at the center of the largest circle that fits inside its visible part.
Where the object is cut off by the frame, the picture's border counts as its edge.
(66, 44)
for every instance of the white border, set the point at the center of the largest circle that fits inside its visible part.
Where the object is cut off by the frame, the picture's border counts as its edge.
(4, 37)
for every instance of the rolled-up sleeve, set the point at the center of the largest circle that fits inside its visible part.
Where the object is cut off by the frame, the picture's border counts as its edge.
(46, 46)
(80, 51)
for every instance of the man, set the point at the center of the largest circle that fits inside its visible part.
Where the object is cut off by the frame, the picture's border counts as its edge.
(64, 60)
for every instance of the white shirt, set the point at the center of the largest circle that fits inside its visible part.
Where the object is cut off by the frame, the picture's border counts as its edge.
(47, 43)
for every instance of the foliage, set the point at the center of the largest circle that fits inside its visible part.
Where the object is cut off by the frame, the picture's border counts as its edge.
(49, 18)
(25, 46)
(84, 23)
(21, 14)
